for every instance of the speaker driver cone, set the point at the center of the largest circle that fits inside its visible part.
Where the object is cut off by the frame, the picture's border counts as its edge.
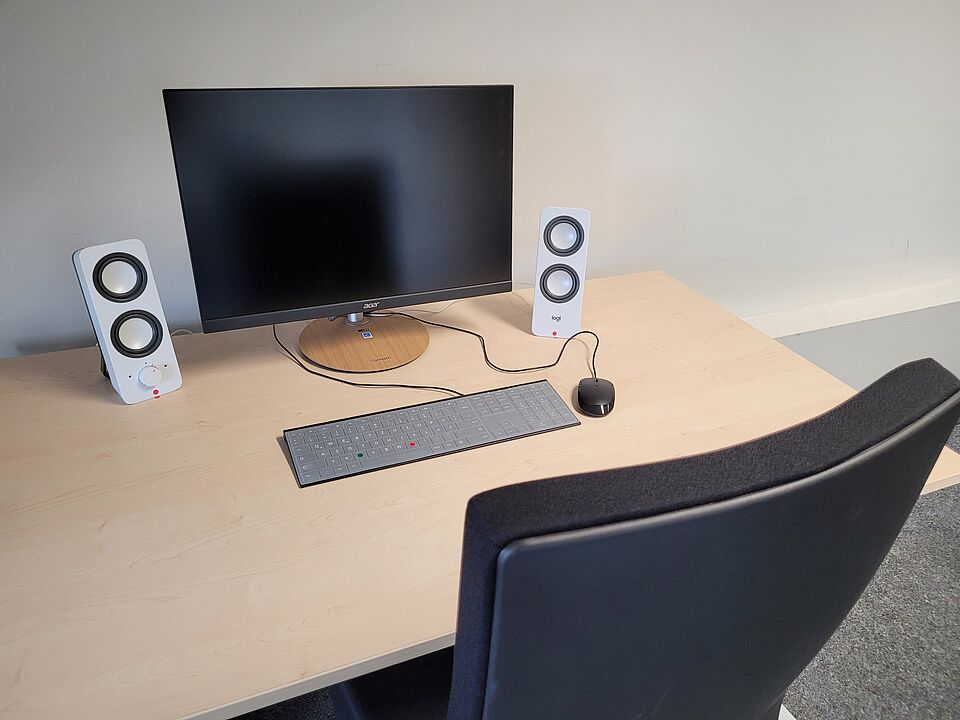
(119, 277)
(136, 333)
(563, 235)
(559, 283)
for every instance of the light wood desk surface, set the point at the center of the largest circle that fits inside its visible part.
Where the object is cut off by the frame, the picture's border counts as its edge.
(159, 560)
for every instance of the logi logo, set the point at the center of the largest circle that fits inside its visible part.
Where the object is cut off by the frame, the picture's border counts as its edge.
(555, 318)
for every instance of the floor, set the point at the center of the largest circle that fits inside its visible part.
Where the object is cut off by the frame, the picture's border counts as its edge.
(895, 656)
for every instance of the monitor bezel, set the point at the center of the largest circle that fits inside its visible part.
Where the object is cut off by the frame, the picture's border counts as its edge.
(275, 317)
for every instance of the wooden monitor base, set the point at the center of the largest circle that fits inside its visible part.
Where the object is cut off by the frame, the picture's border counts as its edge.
(363, 344)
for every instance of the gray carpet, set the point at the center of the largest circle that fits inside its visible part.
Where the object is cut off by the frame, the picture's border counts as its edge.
(314, 706)
(896, 656)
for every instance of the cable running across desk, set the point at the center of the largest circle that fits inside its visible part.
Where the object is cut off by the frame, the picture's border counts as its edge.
(436, 388)
(483, 345)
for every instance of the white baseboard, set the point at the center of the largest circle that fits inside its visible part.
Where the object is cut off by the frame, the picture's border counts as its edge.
(794, 321)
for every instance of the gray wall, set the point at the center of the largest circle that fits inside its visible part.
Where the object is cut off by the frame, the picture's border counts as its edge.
(770, 154)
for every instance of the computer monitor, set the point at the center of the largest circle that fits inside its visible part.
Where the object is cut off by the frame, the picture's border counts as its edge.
(304, 203)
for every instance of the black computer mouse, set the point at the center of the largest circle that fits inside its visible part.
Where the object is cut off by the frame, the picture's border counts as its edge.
(595, 396)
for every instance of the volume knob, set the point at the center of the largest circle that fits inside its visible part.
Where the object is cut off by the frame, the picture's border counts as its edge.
(150, 376)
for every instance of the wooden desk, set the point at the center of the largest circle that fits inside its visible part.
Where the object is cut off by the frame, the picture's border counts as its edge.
(159, 561)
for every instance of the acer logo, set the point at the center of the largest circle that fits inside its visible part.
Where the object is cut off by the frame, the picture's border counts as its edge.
(368, 306)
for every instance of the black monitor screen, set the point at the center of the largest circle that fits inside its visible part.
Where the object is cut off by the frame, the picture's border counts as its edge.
(318, 201)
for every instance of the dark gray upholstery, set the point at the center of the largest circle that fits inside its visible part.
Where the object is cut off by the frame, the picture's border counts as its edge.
(499, 519)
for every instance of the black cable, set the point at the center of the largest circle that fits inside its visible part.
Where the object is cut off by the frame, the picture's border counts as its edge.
(483, 345)
(297, 360)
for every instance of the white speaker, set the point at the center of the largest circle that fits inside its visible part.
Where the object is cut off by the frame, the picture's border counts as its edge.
(124, 305)
(561, 271)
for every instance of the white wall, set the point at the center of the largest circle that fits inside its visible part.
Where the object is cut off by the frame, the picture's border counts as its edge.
(771, 154)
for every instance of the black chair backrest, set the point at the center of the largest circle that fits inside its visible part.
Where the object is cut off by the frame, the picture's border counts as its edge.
(694, 588)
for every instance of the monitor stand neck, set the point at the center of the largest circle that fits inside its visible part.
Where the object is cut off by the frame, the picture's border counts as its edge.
(363, 343)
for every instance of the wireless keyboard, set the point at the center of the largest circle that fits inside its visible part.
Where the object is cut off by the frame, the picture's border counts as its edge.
(341, 448)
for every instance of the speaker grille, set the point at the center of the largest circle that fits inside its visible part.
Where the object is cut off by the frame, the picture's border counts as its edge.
(136, 333)
(559, 283)
(563, 235)
(119, 277)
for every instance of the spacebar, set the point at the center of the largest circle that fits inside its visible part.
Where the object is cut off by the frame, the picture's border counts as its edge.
(400, 458)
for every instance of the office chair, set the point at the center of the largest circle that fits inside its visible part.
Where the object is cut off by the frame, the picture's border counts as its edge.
(691, 589)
